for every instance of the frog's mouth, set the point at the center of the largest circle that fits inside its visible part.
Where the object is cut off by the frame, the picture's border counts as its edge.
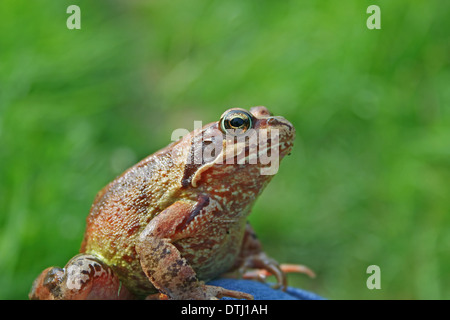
(259, 145)
(263, 152)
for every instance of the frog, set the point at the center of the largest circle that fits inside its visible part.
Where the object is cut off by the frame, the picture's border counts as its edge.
(174, 221)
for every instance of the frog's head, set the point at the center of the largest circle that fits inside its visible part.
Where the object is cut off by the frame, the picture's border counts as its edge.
(273, 133)
(241, 144)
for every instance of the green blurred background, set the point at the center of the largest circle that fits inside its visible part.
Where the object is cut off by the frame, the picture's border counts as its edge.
(368, 181)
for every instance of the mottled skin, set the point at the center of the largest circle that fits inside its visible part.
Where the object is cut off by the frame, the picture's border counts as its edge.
(166, 225)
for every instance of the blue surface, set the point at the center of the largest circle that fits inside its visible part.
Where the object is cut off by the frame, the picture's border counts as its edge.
(262, 291)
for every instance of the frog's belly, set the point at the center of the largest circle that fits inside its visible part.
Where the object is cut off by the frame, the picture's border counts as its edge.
(208, 261)
(214, 251)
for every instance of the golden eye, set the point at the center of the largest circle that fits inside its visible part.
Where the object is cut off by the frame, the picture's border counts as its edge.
(236, 121)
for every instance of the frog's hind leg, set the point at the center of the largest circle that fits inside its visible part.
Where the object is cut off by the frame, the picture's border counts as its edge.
(84, 277)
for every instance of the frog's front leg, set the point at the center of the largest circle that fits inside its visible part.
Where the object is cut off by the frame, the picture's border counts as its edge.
(83, 278)
(163, 263)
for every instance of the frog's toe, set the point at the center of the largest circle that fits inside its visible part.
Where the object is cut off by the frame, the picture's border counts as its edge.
(216, 293)
(157, 296)
(262, 274)
(210, 292)
(271, 267)
(297, 268)
(261, 267)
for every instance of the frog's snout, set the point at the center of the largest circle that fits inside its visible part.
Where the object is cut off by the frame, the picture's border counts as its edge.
(286, 133)
(285, 128)
(279, 121)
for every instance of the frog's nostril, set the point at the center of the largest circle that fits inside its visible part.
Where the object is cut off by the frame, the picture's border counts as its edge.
(273, 121)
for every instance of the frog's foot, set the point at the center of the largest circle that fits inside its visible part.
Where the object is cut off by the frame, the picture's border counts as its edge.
(205, 292)
(262, 274)
(260, 266)
(208, 292)
(83, 278)
(215, 293)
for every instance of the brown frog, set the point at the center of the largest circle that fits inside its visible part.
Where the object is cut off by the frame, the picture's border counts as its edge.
(178, 218)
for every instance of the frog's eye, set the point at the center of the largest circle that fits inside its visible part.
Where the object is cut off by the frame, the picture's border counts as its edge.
(236, 121)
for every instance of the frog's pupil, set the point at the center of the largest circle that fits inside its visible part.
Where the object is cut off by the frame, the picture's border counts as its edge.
(236, 122)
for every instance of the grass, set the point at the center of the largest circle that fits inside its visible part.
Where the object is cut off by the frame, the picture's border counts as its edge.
(367, 182)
